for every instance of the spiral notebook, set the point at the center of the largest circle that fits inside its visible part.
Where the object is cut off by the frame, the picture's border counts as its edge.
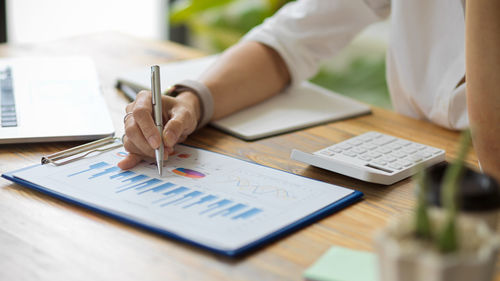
(219, 203)
(297, 107)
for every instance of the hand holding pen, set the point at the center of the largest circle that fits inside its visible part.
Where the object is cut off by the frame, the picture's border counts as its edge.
(144, 138)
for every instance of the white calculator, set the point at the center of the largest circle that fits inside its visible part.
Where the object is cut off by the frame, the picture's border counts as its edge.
(373, 157)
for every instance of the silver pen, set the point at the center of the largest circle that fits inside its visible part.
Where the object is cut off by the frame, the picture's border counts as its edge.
(157, 111)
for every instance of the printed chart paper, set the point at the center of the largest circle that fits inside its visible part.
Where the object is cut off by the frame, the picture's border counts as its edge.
(207, 198)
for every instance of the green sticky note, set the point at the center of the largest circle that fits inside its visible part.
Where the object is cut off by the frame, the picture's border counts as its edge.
(342, 264)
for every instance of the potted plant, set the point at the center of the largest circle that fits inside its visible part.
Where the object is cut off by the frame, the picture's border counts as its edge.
(438, 244)
(478, 194)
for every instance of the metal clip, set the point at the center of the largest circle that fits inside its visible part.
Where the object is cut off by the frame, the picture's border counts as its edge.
(73, 154)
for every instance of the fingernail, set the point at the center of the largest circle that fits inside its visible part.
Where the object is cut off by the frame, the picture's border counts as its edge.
(124, 164)
(153, 142)
(170, 150)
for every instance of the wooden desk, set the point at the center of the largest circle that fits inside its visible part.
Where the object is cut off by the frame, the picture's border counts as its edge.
(42, 238)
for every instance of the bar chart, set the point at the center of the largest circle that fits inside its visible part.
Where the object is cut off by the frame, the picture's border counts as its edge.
(168, 193)
(202, 196)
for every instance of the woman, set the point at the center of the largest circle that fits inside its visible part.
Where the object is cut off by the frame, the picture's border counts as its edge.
(433, 44)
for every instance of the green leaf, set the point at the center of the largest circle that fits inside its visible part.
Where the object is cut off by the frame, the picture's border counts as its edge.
(182, 11)
(276, 4)
(422, 222)
(447, 241)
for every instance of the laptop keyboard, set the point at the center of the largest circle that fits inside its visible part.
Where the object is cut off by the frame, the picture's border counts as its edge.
(8, 105)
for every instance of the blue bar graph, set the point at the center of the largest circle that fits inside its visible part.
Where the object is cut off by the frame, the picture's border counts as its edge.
(205, 199)
(172, 193)
(216, 205)
(142, 185)
(91, 167)
(229, 211)
(123, 174)
(159, 188)
(247, 214)
(107, 171)
(133, 180)
(184, 198)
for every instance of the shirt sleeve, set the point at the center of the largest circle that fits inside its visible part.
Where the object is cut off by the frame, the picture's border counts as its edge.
(305, 32)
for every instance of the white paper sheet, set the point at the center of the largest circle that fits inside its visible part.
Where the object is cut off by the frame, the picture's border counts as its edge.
(215, 200)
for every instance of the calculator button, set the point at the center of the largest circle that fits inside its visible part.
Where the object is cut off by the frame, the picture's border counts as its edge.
(389, 158)
(380, 162)
(398, 154)
(355, 142)
(404, 163)
(350, 153)
(384, 150)
(396, 166)
(394, 146)
(384, 140)
(335, 149)
(369, 146)
(409, 150)
(374, 154)
(365, 157)
(358, 150)
(419, 146)
(365, 138)
(344, 146)
(426, 155)
(403, 142)
(326, 153)
(416, 146)
(415, 158)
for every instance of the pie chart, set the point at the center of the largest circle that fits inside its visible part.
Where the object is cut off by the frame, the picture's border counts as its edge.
(188, 173)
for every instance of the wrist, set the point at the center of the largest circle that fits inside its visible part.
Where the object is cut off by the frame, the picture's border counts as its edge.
(204, 98)
(194, 103)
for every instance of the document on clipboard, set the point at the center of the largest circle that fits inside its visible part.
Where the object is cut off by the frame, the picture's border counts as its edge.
(216, 202)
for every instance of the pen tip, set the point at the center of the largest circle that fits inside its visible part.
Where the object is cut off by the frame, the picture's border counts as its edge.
(160, 170)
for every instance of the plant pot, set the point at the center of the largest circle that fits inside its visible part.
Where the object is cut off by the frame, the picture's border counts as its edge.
(478, 194)
(404, 257)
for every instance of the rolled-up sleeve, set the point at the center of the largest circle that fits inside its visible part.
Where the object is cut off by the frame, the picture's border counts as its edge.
(305, 32)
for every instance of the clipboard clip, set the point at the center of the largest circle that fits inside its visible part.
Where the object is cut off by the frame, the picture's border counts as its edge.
(82, 151)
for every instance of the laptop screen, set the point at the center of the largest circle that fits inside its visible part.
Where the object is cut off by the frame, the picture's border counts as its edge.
(45, 99)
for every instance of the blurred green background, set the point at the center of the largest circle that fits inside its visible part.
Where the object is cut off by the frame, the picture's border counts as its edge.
(358, 71)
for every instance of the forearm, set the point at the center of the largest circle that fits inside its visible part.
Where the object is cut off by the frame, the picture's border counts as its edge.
(245, 74)
(483, 80)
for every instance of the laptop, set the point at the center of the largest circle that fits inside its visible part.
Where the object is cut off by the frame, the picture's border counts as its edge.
(51, 99)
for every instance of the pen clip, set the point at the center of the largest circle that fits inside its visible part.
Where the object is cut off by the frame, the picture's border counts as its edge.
(155, 83)
(156, 95)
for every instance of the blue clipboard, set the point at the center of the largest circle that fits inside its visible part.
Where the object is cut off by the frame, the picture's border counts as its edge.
(246, 249)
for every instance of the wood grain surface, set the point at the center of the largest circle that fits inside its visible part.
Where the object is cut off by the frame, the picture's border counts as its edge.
(42, 238)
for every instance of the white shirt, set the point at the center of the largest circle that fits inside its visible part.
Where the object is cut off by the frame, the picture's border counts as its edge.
(425, 59)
